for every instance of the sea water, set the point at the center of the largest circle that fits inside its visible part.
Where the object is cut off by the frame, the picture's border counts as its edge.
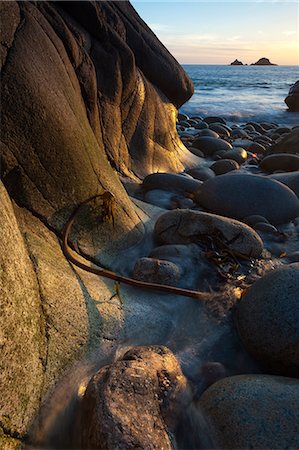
(242, 93)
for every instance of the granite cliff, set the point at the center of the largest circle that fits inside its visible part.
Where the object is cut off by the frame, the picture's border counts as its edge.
(89, 95)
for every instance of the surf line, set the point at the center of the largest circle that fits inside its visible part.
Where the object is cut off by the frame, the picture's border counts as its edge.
(109, 209)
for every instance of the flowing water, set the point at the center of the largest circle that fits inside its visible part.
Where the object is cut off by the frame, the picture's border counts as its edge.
(191, 330)
(242, 93)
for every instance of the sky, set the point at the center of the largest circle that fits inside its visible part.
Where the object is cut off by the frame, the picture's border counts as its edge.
(218, 32)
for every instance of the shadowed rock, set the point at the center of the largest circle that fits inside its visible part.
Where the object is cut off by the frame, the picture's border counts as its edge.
(268, 320)
(253, 411)
(292, 100)
(241, 195)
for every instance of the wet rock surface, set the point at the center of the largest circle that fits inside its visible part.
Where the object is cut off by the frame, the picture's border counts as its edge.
(135, 402)
(292, 100)
(185, 226)
(268, 320)
(253, 411)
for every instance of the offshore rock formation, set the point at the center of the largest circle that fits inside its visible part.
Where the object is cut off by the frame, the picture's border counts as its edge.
(263, 62)
(88, 92)
(236, 62)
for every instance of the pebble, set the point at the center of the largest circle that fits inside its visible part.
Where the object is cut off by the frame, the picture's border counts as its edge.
(220, 129)
(201, 174)
(213, 119)
(208, 132)
(237, 154)
(209, 145)
(170, 182)
(268, 320)
(224, 165)
(242, 195)
(287, 162)
(255, 147)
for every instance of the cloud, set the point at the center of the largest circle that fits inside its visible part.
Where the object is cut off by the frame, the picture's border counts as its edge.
(288, 32)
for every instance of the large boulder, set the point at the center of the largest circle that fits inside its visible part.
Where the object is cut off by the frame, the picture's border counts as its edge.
(241, 195)
(253, 411)
(135, 402)
(292, 100)
(288, 143)
(187, 226)
(268, 320)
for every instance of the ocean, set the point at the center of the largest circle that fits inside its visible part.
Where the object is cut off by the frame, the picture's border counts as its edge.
(242, 93)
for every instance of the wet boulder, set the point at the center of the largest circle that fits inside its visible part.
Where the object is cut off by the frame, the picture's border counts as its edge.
(253, 411)
(292, 100)
(187, 226)
(241, 195)
(209, 145)
(201, 173)
(224, 165)
(280, 161)
(268, 320)
(135, 402)
(170, 182)
(237, 154)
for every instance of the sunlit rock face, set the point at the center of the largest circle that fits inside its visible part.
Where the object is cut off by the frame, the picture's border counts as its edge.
(85, 84)
(88, 92)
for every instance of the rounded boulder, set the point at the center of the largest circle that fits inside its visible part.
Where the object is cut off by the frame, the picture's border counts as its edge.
(268, 320)
(187, 226)
(280, 161)
(253, 411)
(241, 195)
(209, 145)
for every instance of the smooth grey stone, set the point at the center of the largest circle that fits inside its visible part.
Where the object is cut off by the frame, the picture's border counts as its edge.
(224, 165)
(287, 162)
(239, 133)
(201, 126)
(242, 195)
(255, 147)
(214, 119)
(207, 132)
(288, 143)
(257, 127)
(220, 129)
(189, 226)
(238, 154)
(253, 412)
(268, 320)
(201, 173)
(170, 182)
(209, 145)
(244, 143)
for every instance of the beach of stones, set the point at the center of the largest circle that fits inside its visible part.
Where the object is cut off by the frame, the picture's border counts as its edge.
(243, 195)
(233, 220)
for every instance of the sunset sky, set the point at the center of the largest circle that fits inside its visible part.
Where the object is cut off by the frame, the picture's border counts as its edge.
(213, 32)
